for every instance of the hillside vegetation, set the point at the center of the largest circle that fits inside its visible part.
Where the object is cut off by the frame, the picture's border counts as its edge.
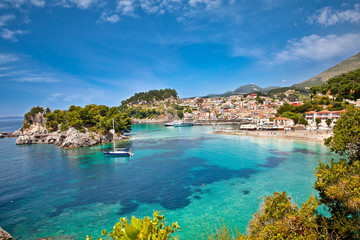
(96, 118)
(347, 65)
(346, 85)
(151, 96)
(155, 104)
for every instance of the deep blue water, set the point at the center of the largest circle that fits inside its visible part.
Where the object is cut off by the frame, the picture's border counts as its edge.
(198, 179)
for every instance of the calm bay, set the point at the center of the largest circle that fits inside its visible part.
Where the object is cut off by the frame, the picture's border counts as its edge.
(198, 178)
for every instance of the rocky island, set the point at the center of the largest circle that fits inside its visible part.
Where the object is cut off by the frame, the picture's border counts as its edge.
(73, 128)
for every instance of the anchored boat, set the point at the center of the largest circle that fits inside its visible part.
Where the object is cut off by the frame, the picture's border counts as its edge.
(117, 152)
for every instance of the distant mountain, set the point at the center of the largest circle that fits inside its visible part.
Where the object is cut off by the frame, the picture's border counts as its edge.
(12, 118)
(245, 89)
(345, 66)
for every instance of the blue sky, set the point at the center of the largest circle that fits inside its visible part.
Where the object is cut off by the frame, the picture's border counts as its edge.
(58, 53)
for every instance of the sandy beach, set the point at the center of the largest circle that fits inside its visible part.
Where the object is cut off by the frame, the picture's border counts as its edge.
(304, 135)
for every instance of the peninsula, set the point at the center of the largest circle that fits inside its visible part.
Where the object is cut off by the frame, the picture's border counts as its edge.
(76, 127)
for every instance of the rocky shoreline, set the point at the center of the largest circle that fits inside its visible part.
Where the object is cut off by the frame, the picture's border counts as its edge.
(71, 138)
(5, 235)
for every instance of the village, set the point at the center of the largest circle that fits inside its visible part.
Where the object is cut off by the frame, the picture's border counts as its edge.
(255, 113)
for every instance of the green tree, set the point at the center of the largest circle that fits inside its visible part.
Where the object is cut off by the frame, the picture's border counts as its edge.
(280, 218)
(346, 138)
(180, 114)
(328, 121)
(317, 121)
(339, 182)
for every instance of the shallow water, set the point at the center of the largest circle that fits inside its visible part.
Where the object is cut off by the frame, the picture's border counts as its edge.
(197, 178)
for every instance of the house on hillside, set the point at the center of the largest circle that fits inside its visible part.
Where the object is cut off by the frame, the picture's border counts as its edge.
(283, 122)
(323, 115)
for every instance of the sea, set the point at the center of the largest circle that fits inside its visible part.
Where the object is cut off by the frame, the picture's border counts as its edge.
(199, 179)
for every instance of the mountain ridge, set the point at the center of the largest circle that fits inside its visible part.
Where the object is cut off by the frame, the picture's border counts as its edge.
(349, 64)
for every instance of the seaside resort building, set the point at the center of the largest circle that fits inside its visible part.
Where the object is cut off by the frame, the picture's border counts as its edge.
(283, 122)
(323, 115)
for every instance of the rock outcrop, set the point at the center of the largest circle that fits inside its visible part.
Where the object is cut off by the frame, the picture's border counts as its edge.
(36, 132)
(5, 235)
(71, 138)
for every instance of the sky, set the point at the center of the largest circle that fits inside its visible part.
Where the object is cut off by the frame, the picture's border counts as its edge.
(59, 53)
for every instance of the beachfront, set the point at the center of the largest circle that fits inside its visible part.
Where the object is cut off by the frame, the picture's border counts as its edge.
(304, 135)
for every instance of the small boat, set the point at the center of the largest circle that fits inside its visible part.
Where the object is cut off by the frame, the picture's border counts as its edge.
(117, 152)
(169, 124)
(178, 124)
(183, 124)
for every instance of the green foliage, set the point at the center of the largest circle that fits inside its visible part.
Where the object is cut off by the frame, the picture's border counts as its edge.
(339, 190)
(28, 117)
(328, 121)
(346, 85)
(97, 118)
(142, 229)
(139, 113)
(296, 117)
(259, 100)
(307, 106)
(280, 218)
(346, 138)
(222, 232)
(180, 114)
(339, 183)
(151, 96)
(282, 90)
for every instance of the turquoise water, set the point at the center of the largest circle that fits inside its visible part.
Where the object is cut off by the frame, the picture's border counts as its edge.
(198, 178)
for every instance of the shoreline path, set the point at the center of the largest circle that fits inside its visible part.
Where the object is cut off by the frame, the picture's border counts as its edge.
(303, 135)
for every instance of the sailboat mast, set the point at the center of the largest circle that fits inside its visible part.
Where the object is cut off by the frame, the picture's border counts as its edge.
(113, 136)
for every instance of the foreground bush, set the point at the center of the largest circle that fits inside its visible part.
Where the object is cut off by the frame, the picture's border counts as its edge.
(142, 229)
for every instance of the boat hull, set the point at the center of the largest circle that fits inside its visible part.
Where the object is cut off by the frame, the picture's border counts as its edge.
(118, 154)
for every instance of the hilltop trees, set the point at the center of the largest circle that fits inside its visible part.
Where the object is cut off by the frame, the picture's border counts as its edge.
(97, 118)
(151, 96)
(346, 85)
(149, 105)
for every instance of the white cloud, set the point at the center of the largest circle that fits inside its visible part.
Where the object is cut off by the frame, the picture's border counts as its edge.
(37, 80)
(327, 16)
(106, 17)
(126, 7)
(20, 3)
(8, 58)
(317, 48)
(38, 3)
(82, 4)
(208, 4)
(11, 34)
(150, 6)
(53, 97)
(83, 98)
(6, 18)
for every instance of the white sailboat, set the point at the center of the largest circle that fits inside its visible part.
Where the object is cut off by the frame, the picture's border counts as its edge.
(117, 152)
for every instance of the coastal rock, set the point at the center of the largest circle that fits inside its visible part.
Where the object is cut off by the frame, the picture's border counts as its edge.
(5, 235)
(72, 138)
(26, 139)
